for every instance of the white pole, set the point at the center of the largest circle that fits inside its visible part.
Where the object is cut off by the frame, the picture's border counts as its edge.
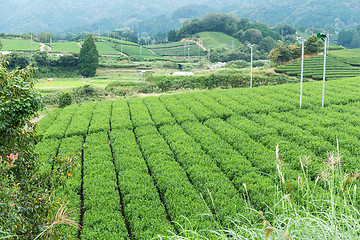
(323, 93)
(302, 71)
(121, 47)
(251, 67)
(188, 52)
(31, 43)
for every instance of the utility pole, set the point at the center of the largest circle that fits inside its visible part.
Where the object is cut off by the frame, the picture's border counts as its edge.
(325, 38)
(251, 64)
(185, 51)
(323, 93)
(302, 67)
(31, 42)
(188, 52)
(232, 45)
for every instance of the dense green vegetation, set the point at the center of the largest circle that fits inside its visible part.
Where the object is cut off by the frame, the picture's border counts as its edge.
(313, 68)
(220, 144)
(28, 205)
(88, 58)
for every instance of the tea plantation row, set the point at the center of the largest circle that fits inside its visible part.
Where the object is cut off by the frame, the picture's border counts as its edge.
(151, 165)
(336, 68)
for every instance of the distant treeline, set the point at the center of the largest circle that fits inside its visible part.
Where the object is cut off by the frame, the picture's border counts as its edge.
(242, 29)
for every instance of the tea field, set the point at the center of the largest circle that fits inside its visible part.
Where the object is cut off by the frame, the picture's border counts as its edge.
(336, 67)
(150, 166)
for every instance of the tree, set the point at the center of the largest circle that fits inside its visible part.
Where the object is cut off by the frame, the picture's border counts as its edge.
(89, 58)
(252, 35)
(26, 194)
(313, 44)
(172, 36)
(267, 44)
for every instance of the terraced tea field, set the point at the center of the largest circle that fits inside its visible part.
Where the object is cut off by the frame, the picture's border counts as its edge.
(336, 67)
(148, 162)
(178, 49)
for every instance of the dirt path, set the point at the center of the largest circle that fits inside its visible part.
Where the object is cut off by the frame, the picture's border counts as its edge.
(44, 47)
(37, 119)
(79, 44)
(197, 42)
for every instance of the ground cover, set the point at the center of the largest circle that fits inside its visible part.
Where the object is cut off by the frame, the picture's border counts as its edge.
(207, 156)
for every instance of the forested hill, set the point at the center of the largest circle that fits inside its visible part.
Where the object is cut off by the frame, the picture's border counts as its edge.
(59, 15)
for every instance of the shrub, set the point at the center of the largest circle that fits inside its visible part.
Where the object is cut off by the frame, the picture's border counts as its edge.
(65, 100)
(26, 195)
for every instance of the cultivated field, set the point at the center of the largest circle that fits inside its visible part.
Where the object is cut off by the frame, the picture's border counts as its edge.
(336, 67)
(147, 163)
(19, 45)
(217, 40)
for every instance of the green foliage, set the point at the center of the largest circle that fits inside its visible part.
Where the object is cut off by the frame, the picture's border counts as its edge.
(19, 101)
(349, 38)
(27, 189)
(19, 60)
(172, 36)
(65, 100)
(222, 80)
(313, 44)
(89, 58)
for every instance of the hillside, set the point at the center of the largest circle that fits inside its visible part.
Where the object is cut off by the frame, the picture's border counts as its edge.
(147, 161)
(62, 15)
(218, 40)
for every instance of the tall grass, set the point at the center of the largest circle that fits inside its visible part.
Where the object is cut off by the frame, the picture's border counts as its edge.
(326, 208)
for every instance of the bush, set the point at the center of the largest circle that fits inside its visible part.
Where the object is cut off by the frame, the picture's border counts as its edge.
(65, 100)
(26, 195)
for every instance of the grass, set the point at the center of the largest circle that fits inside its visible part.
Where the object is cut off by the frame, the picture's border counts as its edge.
(19, 45)
(217, 40)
